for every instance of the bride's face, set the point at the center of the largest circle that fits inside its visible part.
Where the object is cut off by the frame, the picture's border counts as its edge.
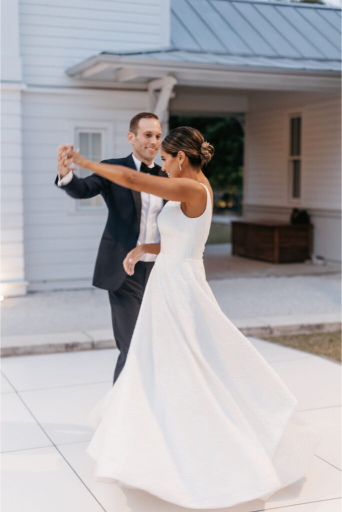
(171, 164)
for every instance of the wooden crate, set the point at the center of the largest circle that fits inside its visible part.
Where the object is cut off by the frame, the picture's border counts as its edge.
(275, 242)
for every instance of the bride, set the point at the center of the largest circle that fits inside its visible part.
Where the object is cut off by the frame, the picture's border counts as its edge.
(197, 417)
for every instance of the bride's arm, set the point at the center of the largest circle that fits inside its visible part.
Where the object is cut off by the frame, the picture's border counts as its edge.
(135, 254)
(151, 248)
(172, 189)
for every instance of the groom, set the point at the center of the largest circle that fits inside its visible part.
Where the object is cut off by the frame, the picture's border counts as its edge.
(131, 221)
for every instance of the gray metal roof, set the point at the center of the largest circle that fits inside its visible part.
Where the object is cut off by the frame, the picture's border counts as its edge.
(257, 29)
(253, 33)
(236, 60)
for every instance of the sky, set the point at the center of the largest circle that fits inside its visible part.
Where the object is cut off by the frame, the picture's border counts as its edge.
(335, 3)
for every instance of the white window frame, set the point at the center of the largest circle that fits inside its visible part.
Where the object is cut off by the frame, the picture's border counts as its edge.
(79, 205)
(295, 201)
(107, 147)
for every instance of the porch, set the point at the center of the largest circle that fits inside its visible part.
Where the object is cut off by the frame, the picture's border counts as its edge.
(260, 298)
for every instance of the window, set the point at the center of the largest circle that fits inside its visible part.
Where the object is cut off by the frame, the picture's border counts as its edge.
(91, 147)
(295, 160)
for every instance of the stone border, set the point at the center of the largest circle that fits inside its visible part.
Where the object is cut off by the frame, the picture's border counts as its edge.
(280, 330)
(103, 339)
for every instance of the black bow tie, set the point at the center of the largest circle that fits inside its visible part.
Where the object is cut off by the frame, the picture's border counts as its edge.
(149, 170)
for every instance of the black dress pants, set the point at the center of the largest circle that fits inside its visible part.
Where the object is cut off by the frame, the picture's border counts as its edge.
(125, 305)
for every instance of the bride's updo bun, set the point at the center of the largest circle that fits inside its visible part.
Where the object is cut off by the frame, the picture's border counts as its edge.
(207, 151)
(191, 142)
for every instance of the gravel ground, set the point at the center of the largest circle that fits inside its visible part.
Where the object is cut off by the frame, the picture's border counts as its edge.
(83, 310)
(278, 296)
(323, 344)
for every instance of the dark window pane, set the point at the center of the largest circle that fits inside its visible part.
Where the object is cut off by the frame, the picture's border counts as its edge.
(295, 178)
(291, 137)
(295, 136)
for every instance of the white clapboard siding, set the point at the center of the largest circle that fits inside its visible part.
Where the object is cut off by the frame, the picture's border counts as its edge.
(10, 149)
(265, 175)
(64, 231)
(52, 220)
(267, 152)
(13, 179)
(12, 163)
(12, 235)
(56, 34)
(8, 236)
(11, 193)
(10, 105)
(322, 156)
(11, 273)
(70, 272)
(59, 257)
(266, 170)
(61, 241)
(14, 222)
(13, 250)
(49, 246)
(12, 122)
(8, 207)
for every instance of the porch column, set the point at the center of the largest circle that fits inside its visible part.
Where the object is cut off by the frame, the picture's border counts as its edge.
(12, 279)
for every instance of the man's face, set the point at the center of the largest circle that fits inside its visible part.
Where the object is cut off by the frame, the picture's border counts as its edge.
(146, 142)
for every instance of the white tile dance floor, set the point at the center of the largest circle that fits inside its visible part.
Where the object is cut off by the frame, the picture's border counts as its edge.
(45, 402)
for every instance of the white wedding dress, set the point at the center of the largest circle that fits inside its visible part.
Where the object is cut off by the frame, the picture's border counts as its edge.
(197, 417)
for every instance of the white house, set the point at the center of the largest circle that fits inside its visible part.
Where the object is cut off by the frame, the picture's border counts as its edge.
(78, 70)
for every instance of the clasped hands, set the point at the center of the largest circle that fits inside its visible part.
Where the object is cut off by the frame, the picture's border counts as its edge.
(67, 156)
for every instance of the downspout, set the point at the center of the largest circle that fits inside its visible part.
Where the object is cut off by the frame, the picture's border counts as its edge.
(166, 85)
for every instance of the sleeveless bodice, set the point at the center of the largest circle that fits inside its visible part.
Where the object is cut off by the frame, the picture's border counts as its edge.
(183, 237)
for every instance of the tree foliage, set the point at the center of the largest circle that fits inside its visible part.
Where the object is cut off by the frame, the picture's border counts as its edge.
(225, 170)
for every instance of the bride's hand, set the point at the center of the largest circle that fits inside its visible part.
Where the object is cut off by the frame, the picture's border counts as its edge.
(131, 259)
(70, 156)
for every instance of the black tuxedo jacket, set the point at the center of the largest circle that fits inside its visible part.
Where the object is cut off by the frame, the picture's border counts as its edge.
(123, 223)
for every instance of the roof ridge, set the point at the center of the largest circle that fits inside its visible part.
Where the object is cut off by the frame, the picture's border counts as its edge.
(286, 4)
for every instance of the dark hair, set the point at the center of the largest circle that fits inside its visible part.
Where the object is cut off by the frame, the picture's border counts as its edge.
(190, 141)
(133, 125)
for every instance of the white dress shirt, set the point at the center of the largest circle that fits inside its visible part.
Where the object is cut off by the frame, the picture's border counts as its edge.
(64, 181)
(151, 207)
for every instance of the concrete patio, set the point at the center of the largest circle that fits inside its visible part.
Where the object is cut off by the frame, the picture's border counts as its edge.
(46, 398)
(45, 402)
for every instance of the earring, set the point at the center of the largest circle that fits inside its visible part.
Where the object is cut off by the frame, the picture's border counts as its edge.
(180, 167)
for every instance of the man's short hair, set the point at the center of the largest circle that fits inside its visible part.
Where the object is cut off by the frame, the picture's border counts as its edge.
(133, 125)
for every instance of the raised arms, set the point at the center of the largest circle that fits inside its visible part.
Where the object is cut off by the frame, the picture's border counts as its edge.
(177, 189)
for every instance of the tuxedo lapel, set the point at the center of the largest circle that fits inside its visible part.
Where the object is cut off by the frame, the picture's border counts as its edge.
(137, 201)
